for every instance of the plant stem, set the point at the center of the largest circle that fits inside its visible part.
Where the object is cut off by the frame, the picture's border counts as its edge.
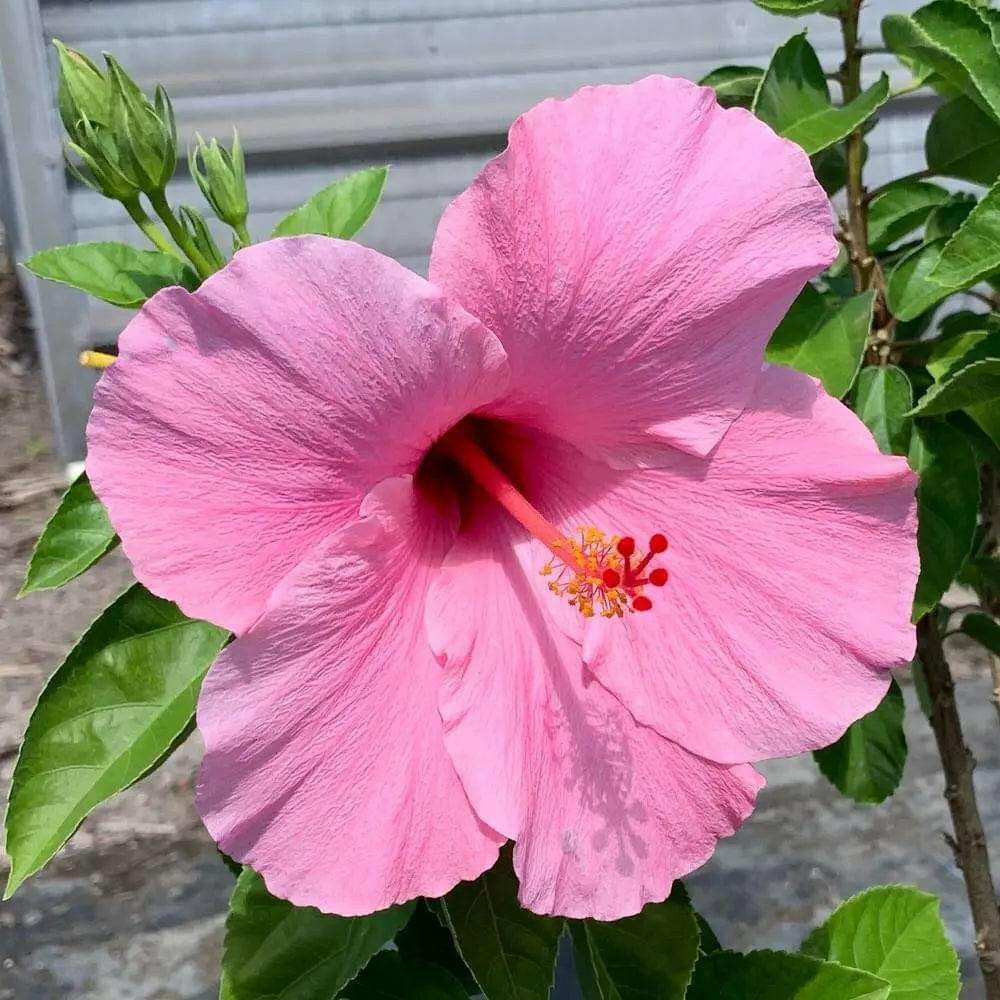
(990, 515)
(152, 231)
(179, 233)
(244, 235)
(862, 262)
(865, 267)
(969, 841)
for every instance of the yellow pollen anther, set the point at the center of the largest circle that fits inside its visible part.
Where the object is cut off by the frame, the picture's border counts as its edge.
(597, 574)
(593, 553)
(96, 359)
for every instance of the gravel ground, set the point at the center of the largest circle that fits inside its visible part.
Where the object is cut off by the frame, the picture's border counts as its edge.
(132, 908)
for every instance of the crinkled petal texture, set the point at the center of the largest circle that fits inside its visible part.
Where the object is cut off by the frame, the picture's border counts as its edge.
(243, 423)
(634, 247)
(606, 813)
(792, 566)
(325, 767)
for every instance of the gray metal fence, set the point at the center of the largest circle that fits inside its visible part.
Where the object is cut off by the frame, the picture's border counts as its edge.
(318, 87)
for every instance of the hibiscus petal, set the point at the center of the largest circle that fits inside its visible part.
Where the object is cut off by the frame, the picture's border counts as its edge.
(792, 566)
(606, 813)
(633, 248)
(325, 767)
(244, 423)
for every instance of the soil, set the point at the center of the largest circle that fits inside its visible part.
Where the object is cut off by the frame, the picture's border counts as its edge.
(133, 907)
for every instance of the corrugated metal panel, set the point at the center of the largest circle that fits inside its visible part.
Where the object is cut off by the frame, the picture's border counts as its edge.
(352, 73)
(318, 87)
(322, 83)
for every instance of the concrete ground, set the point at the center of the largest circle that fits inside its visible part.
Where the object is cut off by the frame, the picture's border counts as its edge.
(132, 908)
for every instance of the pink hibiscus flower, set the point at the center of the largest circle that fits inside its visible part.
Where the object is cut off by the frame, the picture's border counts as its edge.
(423, 508)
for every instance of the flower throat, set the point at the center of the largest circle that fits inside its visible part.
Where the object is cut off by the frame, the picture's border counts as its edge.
(596, 573)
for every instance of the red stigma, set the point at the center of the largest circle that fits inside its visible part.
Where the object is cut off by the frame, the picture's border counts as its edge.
(604, 576)
(658, 543)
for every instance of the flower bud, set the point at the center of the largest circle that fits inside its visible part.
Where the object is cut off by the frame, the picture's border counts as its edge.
(197, 229)
(85, 110)
(221, 176)
(83, 90)
(144, 130)
(100, 161)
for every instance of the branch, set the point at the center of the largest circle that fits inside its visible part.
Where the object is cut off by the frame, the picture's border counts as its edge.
(990, 515)
(864, 266)
(969, 841)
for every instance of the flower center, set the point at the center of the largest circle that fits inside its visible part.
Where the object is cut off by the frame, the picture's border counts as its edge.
(596, 573)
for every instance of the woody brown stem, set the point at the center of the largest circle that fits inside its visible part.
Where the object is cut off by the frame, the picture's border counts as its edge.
(969, 840)
(990, 511)
(864, 265)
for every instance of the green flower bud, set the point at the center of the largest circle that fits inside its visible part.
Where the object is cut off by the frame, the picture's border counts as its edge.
(197, 229)
(85, 109)
(99, 155)
(221, 176)
(145, 130)
(83, 90)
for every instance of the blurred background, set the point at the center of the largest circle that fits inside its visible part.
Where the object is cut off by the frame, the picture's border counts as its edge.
(133, 907)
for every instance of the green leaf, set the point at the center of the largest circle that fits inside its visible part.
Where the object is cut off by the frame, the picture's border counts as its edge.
(973, 253)
(973, 384)
(795, 8)
(391, 976)
(830, 168)
(953, 39)
(277, 951)
(982, 574)
(734, 86)
(340, 209)
(708, 942)
(894, 932)
(981, 427)
(963, 141)
(107, 715)
(920, 686)
(824, 337)
(910, 291)
(824, 128)
(650, 956)
(948, 361)
(776, 975)
(425, 939)
(947, 353)
(984, 630)
(947, 219)
(883, 400)
(114, 272)
(510, 951)
(794, 99)
(947, 508)
(901, 208)
(76, 536)
(866, 763)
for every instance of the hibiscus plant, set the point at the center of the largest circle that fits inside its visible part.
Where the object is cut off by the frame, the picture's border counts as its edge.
(488, 591)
